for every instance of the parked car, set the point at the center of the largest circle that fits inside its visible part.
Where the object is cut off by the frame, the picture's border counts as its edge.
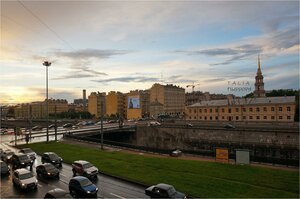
(84, 168)
(4, 131)
(189, 125)
(176, 153)
(47, 170)
(6, 156)
(29, 152)
(51, 126)
(24, 179)
(57, 193)
(229, 126)
(154, 123)
(20, 160)
(68, 125)
(37, 128)
(4, 168)
(80, 186)
(163, 191)
(53, 158)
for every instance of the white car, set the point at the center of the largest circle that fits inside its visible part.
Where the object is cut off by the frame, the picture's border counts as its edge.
(154, 123)
(24, 179)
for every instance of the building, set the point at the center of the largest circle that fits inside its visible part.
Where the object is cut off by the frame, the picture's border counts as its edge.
(198, 96)
(171, 97)
(137, 104)
(266, 109)
(259, 83)
(115, 104)
(96, 101)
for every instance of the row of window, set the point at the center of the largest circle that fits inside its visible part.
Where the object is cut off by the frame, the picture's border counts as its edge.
(239, 118)
(258, 109)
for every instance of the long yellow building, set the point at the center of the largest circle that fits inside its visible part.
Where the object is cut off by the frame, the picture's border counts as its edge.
(95, 100)
(115, 103)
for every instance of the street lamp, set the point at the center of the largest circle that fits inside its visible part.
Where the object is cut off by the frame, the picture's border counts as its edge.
(47, 64)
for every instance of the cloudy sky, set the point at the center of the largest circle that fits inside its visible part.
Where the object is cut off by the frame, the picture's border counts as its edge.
(127, 45)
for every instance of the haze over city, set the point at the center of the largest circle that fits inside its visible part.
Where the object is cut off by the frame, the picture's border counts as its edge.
(122, 46)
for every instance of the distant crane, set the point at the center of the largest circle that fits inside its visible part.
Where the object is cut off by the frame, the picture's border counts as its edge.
(193, 86)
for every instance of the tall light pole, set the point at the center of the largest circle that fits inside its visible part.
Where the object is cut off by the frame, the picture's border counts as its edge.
(47, 64)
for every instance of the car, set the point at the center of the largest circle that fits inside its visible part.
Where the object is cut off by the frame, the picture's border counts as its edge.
(68, 125)
(176, 153)
(29, 152)
(51, 126)
(20, 160)
(4, 168)
(47, 170)
(163, 191)
(189, 125)
(229, 126)
(57, 193)
(37, 128)
(6, 156)
(24, 179)
(84, 168)
(81, 186)
(53, 158)
(4, 131)
(154, 123)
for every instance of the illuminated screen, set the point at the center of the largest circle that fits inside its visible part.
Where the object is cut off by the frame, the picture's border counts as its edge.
(133, 102)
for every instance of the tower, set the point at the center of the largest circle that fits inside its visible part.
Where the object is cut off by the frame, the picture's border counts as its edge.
(259, 82)
(84, 99)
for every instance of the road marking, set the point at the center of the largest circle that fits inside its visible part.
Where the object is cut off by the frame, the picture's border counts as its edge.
(117, 196)
(63, 175)
(38, 184)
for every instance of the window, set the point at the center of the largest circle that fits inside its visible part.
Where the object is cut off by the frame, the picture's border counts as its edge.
(265, 109)
(223, 110)
(250, 109)
(190, 117)
(279, 108)
(229, 110)
(190, 110)
(272, 117)
(195, 110)
(200, 110)
(210, 117)
(265, 117)
(205, 111)
(236, 109)
(273, 109)
(280, 117)
(205, 118)
(288, 117)
(257, 117)
(257, 109)
(250, 117)
(244, 109)
(195, 117)
(244, 117)
(210, 110)
(223, 117)
(217, 118)
(217, 110)
(237, 118)
(288, 108)
(200, 118)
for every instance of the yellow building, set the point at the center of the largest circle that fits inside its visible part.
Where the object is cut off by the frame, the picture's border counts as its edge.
(266, 109)
(115, 104)
(171, 97)
(95, 100)
(137, 104)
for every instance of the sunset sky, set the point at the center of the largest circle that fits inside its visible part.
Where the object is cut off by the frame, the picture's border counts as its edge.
(127, 45)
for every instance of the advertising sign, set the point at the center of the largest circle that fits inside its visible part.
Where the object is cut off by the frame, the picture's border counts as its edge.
(222, 155)
(133, 102)
(242, 156)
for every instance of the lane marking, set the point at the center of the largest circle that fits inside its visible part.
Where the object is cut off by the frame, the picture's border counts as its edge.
(117, 196)
(63, 175)
(38, 184)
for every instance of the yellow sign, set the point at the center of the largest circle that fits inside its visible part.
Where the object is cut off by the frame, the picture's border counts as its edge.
(222, 155)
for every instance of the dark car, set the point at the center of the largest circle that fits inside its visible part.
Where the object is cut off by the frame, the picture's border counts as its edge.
(51, 126)
(229, 126)
(84, 168)
(37, 128)
(47, 170)
(6, 156)
(80, 186)
(163, 191)
(21, 160)
(53, 158)
(4, 168)
(29, 152)
(57, 193)
(68, 125)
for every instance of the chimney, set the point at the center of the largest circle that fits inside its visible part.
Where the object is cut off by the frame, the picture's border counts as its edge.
(84, 99)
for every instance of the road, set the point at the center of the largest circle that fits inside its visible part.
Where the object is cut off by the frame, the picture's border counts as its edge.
(108, 187)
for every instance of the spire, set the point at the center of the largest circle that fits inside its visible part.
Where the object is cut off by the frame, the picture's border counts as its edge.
(258, 63)
(258, 68)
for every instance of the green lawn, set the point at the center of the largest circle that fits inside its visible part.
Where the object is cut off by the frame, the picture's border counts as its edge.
(195, 178)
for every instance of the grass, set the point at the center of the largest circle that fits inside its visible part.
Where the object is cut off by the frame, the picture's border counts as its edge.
(195, 178)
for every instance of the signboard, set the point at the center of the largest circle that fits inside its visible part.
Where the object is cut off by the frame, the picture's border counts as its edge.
(222, 155)
(133, 102)
(242, 156)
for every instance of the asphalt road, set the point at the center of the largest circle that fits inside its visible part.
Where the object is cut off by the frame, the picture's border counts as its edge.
(108, 187)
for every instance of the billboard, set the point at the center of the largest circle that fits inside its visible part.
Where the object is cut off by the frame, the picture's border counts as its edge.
(133, 102)
(242, 156)
(222, 155)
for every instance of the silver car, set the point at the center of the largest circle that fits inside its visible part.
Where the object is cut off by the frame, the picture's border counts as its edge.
(24, 179)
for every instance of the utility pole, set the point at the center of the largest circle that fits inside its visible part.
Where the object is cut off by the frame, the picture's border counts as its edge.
(30, 120)
(55, 127)
(47, 64)
(101, 121)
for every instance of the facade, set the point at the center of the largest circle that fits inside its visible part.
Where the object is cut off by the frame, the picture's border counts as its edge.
(263, 109)
(259, 83)
(95, 100)
(115, 104)
(198, 96)
(137, 104)
(171, 97)
(36, 110)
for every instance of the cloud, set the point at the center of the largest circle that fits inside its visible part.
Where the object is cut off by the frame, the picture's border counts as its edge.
(90, 53)
(73, 76)
(129, 79)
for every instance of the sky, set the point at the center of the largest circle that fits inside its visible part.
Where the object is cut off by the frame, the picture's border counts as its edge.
(126, 45)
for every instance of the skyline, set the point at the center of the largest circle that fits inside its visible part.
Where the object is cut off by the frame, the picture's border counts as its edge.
(123, 46)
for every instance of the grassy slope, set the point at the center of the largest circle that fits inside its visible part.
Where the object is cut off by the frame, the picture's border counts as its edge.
(199, 179)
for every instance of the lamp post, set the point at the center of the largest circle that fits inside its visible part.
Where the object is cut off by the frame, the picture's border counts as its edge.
(47, 64)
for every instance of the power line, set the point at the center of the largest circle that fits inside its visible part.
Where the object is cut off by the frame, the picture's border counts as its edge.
(48, 27)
